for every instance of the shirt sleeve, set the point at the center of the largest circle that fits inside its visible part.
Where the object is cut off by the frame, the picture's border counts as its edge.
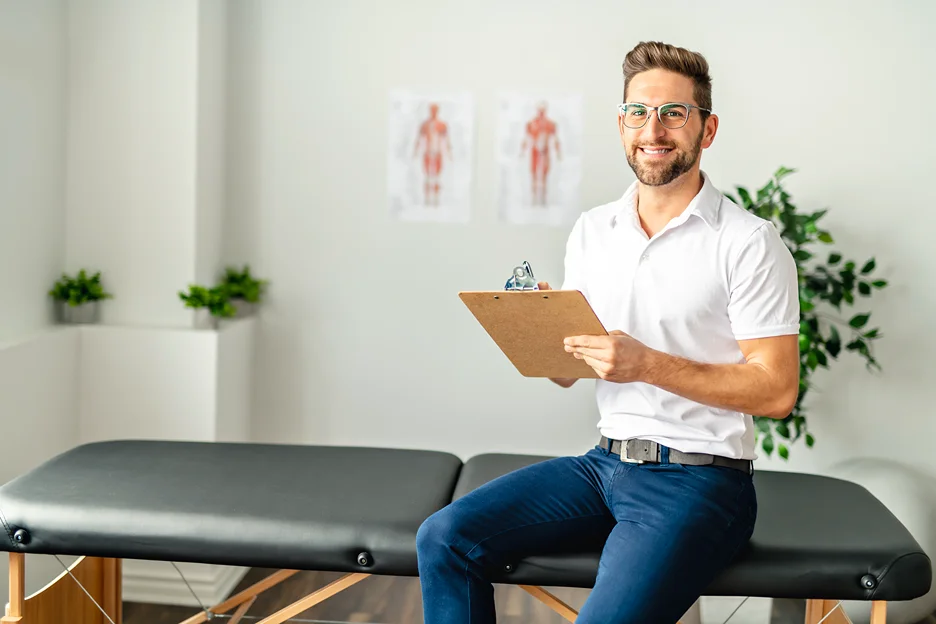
(764, 288)
(574, 277)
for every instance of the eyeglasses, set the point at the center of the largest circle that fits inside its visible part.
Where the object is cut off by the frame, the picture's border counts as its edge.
(673, 115)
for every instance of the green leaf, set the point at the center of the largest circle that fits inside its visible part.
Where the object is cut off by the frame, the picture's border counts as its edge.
(768, 444)
(825, 237)
(812, 360)
(834, 344)
(802, 255)
(783, 451)
(821, 358)
(745, 197)
(806, 306)
(868, 267)
(879, 283)
(871, 334)
(804, 342)
(864, 288)
(858, 321)
(810, 440)
(835, 258)
(783, 430)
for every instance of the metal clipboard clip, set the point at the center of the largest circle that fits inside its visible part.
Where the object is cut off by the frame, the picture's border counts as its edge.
(522, 278)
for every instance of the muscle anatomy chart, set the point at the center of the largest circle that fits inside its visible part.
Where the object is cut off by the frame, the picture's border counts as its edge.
(539, 158)
(430, 156)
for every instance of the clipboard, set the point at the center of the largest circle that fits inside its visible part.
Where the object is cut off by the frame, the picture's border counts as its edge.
(530, 325)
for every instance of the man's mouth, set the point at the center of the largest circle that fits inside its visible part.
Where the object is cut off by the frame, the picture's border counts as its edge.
(656, 151)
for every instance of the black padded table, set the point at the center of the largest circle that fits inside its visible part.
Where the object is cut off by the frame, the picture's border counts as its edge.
(356, 510)
(815, 537)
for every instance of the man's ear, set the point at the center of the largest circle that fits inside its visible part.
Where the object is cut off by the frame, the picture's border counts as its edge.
(711, 128)
(621, 127)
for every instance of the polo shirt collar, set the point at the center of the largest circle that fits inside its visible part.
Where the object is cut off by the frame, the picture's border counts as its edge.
(705, 205)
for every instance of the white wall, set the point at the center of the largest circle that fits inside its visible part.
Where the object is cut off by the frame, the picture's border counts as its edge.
(396, 360)
(210, 132)
(131, 159)
(32, 118)
(243, 134)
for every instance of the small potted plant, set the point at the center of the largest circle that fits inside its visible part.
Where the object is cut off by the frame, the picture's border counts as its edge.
(211, 305)
(243, 289)
(78, 298)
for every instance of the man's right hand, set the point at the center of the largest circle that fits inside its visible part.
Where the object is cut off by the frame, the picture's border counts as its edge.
(565, 382)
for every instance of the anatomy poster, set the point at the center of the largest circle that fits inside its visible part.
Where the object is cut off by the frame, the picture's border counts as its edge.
(539, 158)
(429, 169)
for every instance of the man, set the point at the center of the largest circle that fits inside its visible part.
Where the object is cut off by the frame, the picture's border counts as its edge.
(702, 300)
(433, 137)
(540, 133)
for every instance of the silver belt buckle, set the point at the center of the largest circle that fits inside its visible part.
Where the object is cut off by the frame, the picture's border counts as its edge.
(625, 457)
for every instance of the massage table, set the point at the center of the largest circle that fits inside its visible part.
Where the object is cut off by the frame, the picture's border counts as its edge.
(356, 510)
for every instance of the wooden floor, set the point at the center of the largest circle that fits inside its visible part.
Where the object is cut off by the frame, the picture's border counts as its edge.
(377, 599)
(392, 600)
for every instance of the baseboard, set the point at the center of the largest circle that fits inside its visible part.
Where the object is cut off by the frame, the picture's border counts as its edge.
(158, 582)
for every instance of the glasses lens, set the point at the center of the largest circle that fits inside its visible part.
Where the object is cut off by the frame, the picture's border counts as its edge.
(635, 115)
(674, 115)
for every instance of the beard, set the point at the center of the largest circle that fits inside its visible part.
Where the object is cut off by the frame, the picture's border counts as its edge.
(660, 174)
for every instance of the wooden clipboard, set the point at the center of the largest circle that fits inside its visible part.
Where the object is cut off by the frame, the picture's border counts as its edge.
(530, 325)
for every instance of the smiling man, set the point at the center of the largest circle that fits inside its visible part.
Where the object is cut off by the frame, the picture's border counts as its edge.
(702, 300)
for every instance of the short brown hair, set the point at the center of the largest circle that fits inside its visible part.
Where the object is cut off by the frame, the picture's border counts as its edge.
(648, 55)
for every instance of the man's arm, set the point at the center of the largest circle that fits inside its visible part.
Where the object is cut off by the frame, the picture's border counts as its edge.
(767, 384)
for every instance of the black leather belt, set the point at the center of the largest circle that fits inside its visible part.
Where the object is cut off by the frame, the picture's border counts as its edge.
(640, 451)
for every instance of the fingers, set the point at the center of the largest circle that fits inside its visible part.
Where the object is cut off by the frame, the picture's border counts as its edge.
(597, 365)
(583, 341)
(544, 285)
(598, 355)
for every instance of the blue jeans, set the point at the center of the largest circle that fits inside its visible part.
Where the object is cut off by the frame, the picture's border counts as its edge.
(664, 531)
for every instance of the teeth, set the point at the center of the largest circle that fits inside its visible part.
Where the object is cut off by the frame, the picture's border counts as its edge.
(655, 151)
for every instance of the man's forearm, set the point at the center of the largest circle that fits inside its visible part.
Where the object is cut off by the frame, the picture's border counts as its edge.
(748, 388)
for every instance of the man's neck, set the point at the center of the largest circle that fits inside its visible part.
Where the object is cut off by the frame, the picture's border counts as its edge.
(658, 205)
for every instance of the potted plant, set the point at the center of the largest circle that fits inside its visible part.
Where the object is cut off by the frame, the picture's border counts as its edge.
(826, 283)
(243, 289)
(210, 304)
(78, 298)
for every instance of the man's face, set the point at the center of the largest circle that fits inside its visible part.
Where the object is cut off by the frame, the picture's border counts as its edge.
(659, 155)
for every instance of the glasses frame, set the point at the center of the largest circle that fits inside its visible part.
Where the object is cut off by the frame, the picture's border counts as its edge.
(622, 110)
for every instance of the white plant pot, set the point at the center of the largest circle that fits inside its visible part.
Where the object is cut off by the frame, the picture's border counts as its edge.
(204, 319)
(244, 308)
(82, 314)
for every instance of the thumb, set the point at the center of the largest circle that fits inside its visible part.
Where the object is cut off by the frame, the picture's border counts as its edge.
(543, 285)
(616, 332)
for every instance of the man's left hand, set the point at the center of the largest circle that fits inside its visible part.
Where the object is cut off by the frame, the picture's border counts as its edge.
(616, 357)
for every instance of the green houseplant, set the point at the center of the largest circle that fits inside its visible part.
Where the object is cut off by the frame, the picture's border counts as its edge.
(243, 289)
(78, 297)
(215, 301)
(826, 284)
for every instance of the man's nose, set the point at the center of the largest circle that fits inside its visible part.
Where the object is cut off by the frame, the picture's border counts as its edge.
(653, 128)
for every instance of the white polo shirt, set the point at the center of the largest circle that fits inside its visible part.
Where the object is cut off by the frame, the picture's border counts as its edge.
(714, 275)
